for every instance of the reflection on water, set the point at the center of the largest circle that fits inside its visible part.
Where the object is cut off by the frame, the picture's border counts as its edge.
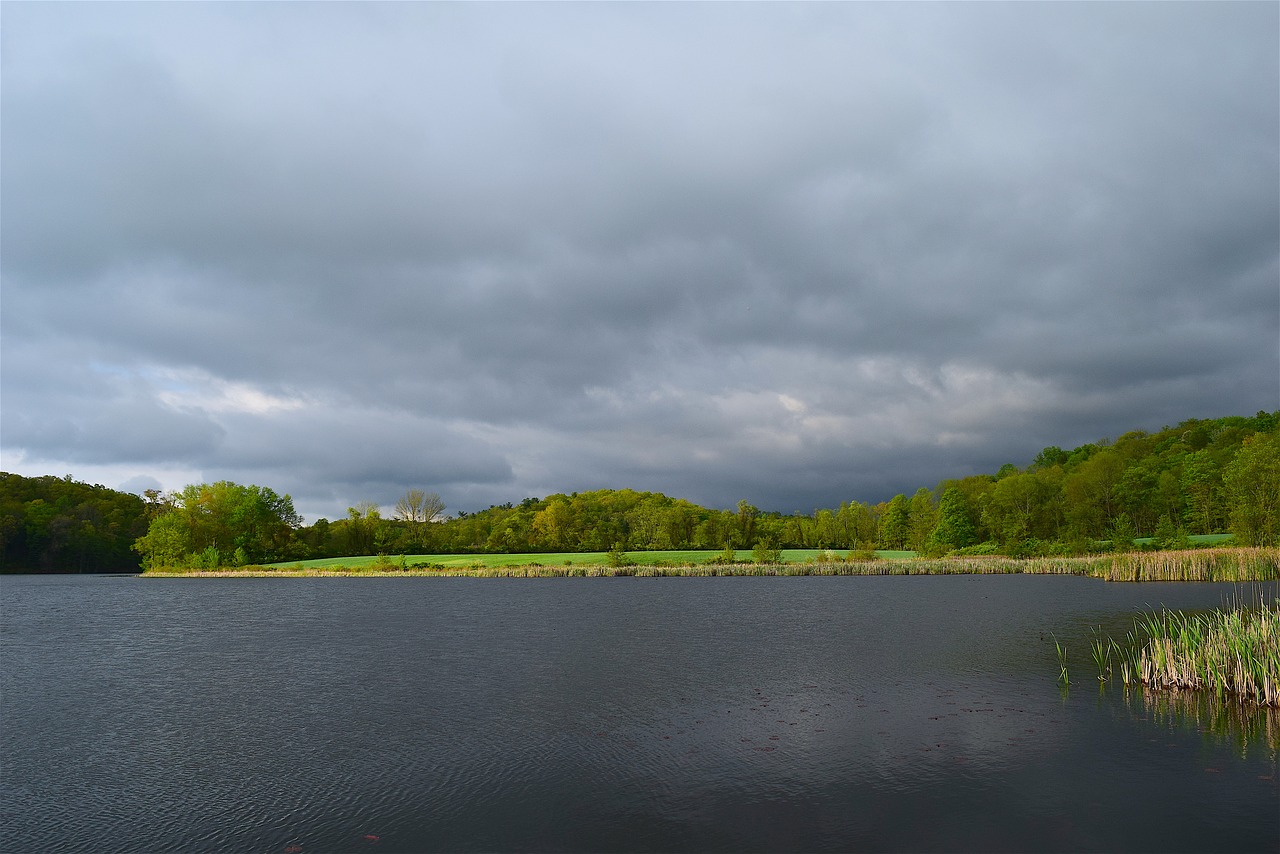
(683, 714)
(1250, 730)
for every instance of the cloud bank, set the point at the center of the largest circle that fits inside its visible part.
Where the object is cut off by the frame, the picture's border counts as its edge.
(794, 253)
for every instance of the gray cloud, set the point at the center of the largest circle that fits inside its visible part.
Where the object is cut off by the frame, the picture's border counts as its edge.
(793, 253)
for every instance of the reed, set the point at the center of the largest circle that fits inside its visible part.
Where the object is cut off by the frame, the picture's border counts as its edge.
(1213, 564)
(1061, 649)
(1218, 564)
(1232, 653)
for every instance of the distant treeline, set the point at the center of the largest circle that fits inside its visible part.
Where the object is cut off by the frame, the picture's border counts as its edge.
(1200, 477)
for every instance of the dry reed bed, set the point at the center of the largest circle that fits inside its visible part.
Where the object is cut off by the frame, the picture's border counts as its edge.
(1219, 564)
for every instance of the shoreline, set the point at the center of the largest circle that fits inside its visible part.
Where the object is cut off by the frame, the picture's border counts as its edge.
(1202, 565)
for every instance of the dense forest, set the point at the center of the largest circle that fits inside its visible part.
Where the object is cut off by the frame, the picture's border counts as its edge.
(1200, 477)
(56, 524)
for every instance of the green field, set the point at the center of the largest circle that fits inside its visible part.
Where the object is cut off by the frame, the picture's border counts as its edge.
(1196, 539)
(691, 556)
(637, 558)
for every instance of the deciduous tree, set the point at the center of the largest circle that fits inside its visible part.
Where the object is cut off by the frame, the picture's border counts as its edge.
(418, 506)
(1252, 485)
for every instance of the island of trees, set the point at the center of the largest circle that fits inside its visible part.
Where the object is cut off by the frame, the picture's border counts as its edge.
(1201, 477)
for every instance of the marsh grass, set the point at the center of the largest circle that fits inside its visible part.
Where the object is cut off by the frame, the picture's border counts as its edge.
(1061, 650)
(1231, 652)
(1213, 564)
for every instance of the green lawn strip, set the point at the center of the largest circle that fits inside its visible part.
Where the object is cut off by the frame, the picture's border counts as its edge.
(1195, 539)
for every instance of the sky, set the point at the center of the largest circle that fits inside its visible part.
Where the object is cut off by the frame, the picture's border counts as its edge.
(794, 254)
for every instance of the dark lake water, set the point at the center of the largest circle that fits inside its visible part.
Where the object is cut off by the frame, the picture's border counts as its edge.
(628, 714)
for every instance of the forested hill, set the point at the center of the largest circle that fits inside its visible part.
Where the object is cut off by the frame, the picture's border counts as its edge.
(56, 524)
(1200, 477)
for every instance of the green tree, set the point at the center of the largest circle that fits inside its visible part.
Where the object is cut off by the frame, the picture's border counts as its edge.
(746, 533)
(895, 523)
(166, 542)
(1170, 536)
(826, 530)
(1091, 492)
(1252, 486)
(955, 528)
(1021, 507)
(1050, 457)
(1121, 533)
(212, 523)
(856, 525)
(360, 528)
(553, 525)
(57, 524)
(922, 519)
(766, 551)
(1201, 484)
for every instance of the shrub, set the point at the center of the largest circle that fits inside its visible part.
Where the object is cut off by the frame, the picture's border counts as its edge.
(766, 551)
(726, 557)
(988, 548)
(382, 563)
(207, 559)
(1122, 534)
(1029, 547)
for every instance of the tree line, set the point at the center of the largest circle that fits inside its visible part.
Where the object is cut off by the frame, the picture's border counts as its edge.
(1200, 477)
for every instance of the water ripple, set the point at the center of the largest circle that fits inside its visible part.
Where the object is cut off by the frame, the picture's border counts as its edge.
(673, 714)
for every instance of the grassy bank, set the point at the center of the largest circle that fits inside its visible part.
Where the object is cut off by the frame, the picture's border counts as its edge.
(676, 557)
(1223, 564)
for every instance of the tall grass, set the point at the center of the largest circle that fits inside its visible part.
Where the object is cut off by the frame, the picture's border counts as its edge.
(1214, 564)
(1219, 564)
(1234, 651)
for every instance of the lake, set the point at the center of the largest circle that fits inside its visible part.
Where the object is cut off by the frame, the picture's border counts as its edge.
(610, 714)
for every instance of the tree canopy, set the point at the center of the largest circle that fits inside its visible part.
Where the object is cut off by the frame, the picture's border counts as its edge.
(220, 524)
(56, 524)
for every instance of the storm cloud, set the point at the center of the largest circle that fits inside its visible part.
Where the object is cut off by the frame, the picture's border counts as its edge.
(790, 253)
